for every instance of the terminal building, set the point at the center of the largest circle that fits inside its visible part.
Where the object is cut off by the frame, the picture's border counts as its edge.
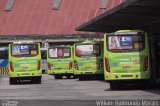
(49, 20)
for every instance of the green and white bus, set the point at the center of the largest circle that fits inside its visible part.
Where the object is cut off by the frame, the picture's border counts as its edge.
(88, 60)
(25, 62)
(60, 61)
(126, 57)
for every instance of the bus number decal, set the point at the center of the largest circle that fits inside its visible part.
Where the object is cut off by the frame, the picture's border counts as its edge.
(134, 58)
(115, 64)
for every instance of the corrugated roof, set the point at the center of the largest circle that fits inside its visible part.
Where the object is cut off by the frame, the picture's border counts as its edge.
(132, 14)
(36, 17)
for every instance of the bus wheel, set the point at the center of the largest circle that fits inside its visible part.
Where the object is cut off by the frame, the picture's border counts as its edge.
(73, 77)
(81, 78)
(43, 71)
(112, 85)
(57, 76)
(68, 77)
(12, 81)
(115, 85)
(38, 80)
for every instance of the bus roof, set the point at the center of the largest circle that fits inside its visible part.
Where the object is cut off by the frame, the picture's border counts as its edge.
(122, 32)
(23, 42)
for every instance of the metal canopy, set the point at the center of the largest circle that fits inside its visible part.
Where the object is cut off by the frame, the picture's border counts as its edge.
(132, 14)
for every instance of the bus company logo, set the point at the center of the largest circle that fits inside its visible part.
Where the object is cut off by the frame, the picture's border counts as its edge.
(9, 102)
(115, 64)
(126, 68)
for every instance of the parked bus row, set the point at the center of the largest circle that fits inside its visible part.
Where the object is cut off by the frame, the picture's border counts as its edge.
(83, 60)
(121, 59)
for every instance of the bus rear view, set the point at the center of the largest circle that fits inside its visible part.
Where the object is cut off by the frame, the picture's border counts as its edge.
(25, 62)
(88, 60)
(126, 57)
(60, 61)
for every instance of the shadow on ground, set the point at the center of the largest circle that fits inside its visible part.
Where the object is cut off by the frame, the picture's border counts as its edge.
(148, 88)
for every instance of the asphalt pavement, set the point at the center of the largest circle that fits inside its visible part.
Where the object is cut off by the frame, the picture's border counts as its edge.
(71, 92)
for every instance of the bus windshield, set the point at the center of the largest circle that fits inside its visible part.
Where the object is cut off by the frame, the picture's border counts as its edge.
(126, 43)
(88, 50)
(22, 50)
(59, 52)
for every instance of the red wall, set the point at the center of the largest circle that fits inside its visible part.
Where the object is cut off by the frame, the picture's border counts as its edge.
(36, 17)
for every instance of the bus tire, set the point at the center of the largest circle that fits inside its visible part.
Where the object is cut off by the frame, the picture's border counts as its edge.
(73, 77)
(43, 71)
(112, 85)
(81, 78)
(12, 81)
(57, 76)
(115, 85)
(38, 80)
(68, 76)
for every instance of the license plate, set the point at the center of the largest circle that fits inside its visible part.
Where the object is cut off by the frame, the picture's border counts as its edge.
(25, 74)
(25, 68)
(88, 68)
(126, 68)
